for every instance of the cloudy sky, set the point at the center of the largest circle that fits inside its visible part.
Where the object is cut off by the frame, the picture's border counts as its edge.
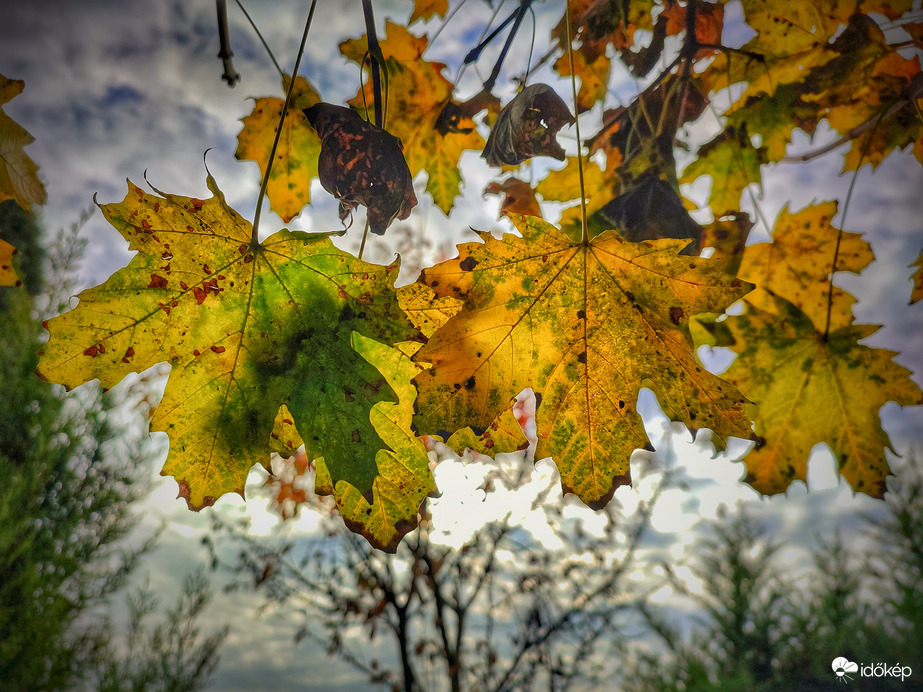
(117, 88)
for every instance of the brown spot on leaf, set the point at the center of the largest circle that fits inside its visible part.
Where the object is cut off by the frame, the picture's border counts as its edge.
(218, 349)
(676, 314)
(157, 282)
(468, 264)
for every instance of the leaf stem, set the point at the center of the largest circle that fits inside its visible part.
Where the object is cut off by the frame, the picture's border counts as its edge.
(255, 238)
(584, 238)
(839, 235)
(365, 235)
(375, 57)
(260, 36)
(519, 16)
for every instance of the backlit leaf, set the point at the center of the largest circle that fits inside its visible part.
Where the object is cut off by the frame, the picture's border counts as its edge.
(797, 265)
(732, 162)
(7, 271)
(426, 311)
(585, 327)
(518, 197)
(245, 329)
(917, 292)
(417, 93)
(289, 188)
(404, 477)
(594, 77)
(18, 173)
(426, 9)
(809, 389)
(791, 39)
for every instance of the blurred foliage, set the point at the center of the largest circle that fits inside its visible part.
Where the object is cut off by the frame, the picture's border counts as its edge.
(764, 626)
(71, 470)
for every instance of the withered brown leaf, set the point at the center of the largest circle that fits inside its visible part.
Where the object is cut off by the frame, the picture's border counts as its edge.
(360, 163)
(527, 127)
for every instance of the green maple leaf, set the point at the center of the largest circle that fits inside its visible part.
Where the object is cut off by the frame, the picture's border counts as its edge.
(246, 329)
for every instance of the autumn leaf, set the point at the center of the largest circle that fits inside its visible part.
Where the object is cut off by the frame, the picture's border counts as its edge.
(594, 77)
(8, 275)
(416, 95)
(18, 173)
(427, 9)
(563, 185)
(586, 327)
(709, 20)
(728, 236)
(362, 164)
(518, 197)
(503, 435)
(798, 263)
(812, 389)
(917, 277)
(284, 439)
(791, 39)
(245, 330)
(733, 164)
(289, 188)
(404, 477)
(528, 126)
(430, 312)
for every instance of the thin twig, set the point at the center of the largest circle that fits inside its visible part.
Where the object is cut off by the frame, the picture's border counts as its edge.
(231, 76)
(255, 238)
(494, 73)
(858, 130)
(839, 235)
(260, 36)
(573, 83)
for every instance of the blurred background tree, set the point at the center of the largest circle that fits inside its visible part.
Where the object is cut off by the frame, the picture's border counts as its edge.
(72, 465)
(503, 610)
(761, 626)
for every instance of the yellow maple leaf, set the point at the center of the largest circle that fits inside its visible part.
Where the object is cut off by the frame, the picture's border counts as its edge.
(246, 330)
(8, 275)
(518, 197)
(797, 265)
(426, 9)
(594, 77)
(18, 173)
(733, 163)
(917, 292)
(791, 39)
(426, 311)
(289, 188)
(811, 389)
(416, 95)
(586, 327)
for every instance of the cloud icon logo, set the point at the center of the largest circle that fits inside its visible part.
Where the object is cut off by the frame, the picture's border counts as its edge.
(841, 666)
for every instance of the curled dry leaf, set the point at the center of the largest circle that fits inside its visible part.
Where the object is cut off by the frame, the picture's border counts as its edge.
(527, 127)
(362, 164)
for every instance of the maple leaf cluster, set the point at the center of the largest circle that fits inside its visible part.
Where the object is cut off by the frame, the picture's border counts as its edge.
(295, 347)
